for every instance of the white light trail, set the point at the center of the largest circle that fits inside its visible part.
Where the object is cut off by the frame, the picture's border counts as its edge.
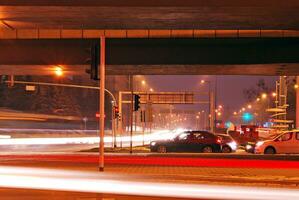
(137, 139)
(78, 181)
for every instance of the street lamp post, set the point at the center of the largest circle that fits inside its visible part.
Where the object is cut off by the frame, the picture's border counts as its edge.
(212, 106)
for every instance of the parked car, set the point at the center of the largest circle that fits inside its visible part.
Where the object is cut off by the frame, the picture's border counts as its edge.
(228, 144)
(189, 141)
(287, 142)
(250, 146)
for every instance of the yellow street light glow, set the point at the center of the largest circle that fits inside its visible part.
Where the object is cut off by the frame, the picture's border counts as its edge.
(151, 90)
(58, 71)
(264, 96)
(216, 110)
(243, 109)
(143, 82)
(235, 113)
(219, 114)
(274, 94)
(249, 106)
(296, 86)
(220, 107)
(202, 81)
(258, 99)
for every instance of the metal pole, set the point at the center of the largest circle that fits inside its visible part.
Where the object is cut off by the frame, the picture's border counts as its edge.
(112, 126)
(102, 103)
(120, 124)
(62, 85)
(215, 104)
(212, 104)
(131, 118)
(297, 104)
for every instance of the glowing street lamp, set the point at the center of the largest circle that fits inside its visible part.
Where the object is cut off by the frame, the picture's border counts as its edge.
(249, 106)
(143, 82)
(151, 89)
(264, 96)
(274, 94)
(258, 99)
(243, 109)
(296, 86)
(235, 113)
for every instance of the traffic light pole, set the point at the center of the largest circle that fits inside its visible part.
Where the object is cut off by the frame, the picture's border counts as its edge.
(132, 111)
(102, 104)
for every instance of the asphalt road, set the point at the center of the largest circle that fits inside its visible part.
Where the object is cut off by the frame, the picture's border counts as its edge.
(15, 194)
(128, 181)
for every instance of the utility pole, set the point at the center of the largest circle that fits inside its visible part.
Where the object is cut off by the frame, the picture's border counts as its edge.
(297, 103)
(102, 103)
(215, 104)
(131, 114)
(212, 111)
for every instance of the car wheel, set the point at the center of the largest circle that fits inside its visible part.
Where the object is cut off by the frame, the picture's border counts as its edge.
(161, 149)
(269, 150)
(226, 149)
(207, 149)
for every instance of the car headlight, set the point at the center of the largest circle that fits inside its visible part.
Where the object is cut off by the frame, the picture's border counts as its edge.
(248, 146)
(153, 143)
(233, 145)
(260, 143)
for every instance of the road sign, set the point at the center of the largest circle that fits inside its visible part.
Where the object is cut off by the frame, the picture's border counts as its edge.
(30, 88)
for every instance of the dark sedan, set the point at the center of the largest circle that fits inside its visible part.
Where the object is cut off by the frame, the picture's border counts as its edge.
(189, 141)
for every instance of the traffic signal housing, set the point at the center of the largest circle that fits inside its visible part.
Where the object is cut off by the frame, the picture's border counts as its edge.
(116, 112)
(136, 102)
(94, 61)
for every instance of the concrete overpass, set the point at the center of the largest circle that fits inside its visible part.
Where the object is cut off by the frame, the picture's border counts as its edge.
(150, 56)
(154, 14)
(200, 21)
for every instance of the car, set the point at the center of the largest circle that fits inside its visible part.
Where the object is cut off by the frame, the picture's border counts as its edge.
(286, 142)
(228, 144)
(189, 141)
(249, 147)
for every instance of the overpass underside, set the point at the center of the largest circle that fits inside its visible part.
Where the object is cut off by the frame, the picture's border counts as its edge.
(154, 56)
(253, 37)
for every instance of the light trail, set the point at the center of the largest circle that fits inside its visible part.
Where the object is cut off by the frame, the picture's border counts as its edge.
(77, 181)
(137, 139)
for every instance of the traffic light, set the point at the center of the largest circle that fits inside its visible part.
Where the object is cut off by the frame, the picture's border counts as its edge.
(94, 61)
(136, 102)
(116, 112)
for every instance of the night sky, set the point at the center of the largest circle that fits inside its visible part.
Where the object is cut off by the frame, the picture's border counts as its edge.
(229, 88)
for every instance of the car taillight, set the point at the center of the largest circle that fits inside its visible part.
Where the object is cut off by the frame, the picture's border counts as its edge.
(218, 140)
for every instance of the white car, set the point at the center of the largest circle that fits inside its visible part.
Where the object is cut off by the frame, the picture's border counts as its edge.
(286, 142)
